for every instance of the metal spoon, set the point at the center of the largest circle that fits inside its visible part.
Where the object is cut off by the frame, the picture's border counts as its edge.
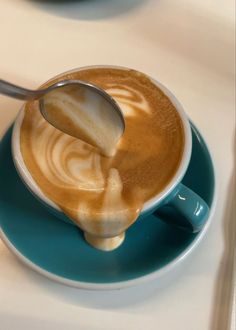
(98, 102)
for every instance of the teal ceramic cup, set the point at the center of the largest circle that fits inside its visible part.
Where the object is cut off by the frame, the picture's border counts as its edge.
(176, 204)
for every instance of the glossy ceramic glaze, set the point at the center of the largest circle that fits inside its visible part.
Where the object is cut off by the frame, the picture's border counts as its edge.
(58, 251)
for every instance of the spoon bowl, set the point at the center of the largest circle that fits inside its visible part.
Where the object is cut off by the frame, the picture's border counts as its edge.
(77, 108)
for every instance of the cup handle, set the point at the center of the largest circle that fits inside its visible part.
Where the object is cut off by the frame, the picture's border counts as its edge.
(185, 209)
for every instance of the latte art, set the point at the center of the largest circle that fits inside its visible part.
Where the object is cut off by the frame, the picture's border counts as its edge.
(130, 99)
(105, 195)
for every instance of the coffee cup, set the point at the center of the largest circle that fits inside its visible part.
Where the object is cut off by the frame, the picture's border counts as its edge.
(174, 198)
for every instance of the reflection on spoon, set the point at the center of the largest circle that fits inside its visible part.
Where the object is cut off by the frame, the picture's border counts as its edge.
(85, 114)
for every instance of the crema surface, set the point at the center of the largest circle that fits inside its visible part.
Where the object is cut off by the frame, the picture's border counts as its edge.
(90, 188)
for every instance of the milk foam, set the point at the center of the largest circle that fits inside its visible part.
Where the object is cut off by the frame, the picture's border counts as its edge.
(129, 99)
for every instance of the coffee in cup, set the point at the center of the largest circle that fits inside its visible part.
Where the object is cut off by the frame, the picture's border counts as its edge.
(105, 195)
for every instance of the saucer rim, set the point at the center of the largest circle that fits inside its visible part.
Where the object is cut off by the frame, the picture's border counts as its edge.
(135, 281)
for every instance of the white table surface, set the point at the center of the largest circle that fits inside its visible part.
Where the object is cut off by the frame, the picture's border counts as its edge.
(189, 46)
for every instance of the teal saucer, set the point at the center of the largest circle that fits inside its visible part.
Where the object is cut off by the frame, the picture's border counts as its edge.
(58, 250)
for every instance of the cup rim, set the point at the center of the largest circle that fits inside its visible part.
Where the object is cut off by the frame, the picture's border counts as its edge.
(151, 203)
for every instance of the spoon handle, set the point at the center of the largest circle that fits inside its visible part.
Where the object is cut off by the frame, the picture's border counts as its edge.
(18, 92)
